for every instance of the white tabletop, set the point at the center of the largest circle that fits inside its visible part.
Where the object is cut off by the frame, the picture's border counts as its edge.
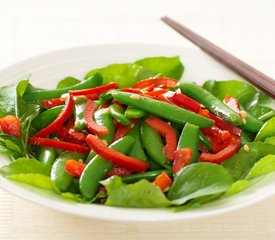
(29, 27)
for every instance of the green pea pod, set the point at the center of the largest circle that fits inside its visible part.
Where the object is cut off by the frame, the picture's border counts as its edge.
(150, 176)
(252, 124)
(204, 141)
(212, 103)
(137, 150)
(59, 176)
(135, 113)
(107, 96)
(45, 118)
(74, 188)
(79, 106)
(153, 165)
(153, 144)
(118, 114)
(189, 138)
(40, 95)
(46, 155)
(103, 117)
(246, 137)
(90, 156)
(162, 109)
(98, 168)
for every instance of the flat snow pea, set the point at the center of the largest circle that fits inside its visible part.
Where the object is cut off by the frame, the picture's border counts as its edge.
(162, 109)
(118, 113)
(268, 130)
(59, 176)
(98, 168)
(46, 155)
(40, 95)
(79, 106)
(189, 138)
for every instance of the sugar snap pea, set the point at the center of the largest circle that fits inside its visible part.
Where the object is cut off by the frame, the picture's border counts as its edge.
(132, 112)
(79, 106)
(46, 155)
(118, 114)
(204, 141)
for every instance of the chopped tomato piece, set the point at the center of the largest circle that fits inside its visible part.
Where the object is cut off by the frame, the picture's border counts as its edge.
(74, 167)
(182, 157)
(10, 125)
(163, 181)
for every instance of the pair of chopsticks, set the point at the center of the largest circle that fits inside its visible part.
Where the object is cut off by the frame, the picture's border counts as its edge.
(255, 77)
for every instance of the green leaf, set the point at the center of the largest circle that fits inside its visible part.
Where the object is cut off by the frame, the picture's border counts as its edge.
(111, 183)
(267, 130)
(239, 164)
(142, 194)
(167, 66)
(270, 140)
(7, 100)
(237, 187)
(67, 82)
(199, 180)
(34, 179)
(258, 111)
(264, 166)
(25, 165)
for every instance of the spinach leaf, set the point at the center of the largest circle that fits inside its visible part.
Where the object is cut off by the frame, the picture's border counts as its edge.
(7, 100)
(199, 180)
(239, 164)
(142, 194)
(263, 166)
(25, 165)
(67, 82)
(267, 130)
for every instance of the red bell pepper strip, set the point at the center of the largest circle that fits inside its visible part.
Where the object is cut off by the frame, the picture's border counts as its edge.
(118, 171)
(157, 92)
(74, 167)
(117, 158)
(167, 132)
(182, 157)
(232, 103)
(10, 125)
(224, 154)
(183, 101)
(52, 102)
(46, 142)
(70, 135)
(165, 82)
(131, 90)
(97, 90)
(90, 123)
(62, 117)
(163, 181)
(121, 131)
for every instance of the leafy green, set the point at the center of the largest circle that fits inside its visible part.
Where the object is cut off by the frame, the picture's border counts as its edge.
(239, 164)
(199, 180)
(238, 187)
(258, 111)
(270, 140)
(142, 194)
(127, 74)
(263, 166)
(7, 100)
(25, 165)
(267, 130)
(67, 82)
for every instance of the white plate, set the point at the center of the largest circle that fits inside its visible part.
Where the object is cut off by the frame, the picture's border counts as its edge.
(48, 68)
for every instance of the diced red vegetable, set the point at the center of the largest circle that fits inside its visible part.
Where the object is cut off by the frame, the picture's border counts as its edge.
(164, 82)
(70, 135)
(232, 103)
(62, 117)
(91, 125)
(182, 157)
(121, 131)
(167, 132)
(117, 158)
(10, 125)
(224, 154)
(46, 142)
(95, 90)
(52, 102)
(183, 101)
(163, 181)
(74, 167)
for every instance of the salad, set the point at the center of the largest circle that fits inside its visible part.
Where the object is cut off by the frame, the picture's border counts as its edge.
(135, 135)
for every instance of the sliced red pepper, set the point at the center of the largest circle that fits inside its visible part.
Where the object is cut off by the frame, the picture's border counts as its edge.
(118, 171)
(46, 142)
(163, 98)
(92, 96)
(157, 92)
(62, 117)
(52, 102)
(105, 105)
(90, 123)
(226, 153)
(121, 131)
(182, 157)
(97, 90)
(131, 90)
(10, 125)
(70, 135)
(164, 82)
(232, 103)
(167, 132)
(74, 167)
(117, 158)
(183, 101)
(163, 181)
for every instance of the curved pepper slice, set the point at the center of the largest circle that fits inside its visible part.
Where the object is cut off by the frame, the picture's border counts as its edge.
(10, 125)
(74, 167)
(70, 135)
(121, 131)
(91, 125)
(95, 90)
(62, 117)
(168, 132)
(227, 152)
(183, 157)
(185, 102)
(117, 158)
(52, 103)
(164, 82)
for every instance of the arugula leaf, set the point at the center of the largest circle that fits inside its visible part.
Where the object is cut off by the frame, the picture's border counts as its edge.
(25, 165)
(199, 180)
(142, 194)
(237, 187)
(267, 130)
(7, 100)
(263, 166)
(67, 82)
(239, 164)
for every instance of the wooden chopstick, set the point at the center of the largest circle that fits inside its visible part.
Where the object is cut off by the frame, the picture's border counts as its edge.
(255, 77)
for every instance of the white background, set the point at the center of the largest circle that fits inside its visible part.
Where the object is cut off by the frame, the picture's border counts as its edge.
(29, 27)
